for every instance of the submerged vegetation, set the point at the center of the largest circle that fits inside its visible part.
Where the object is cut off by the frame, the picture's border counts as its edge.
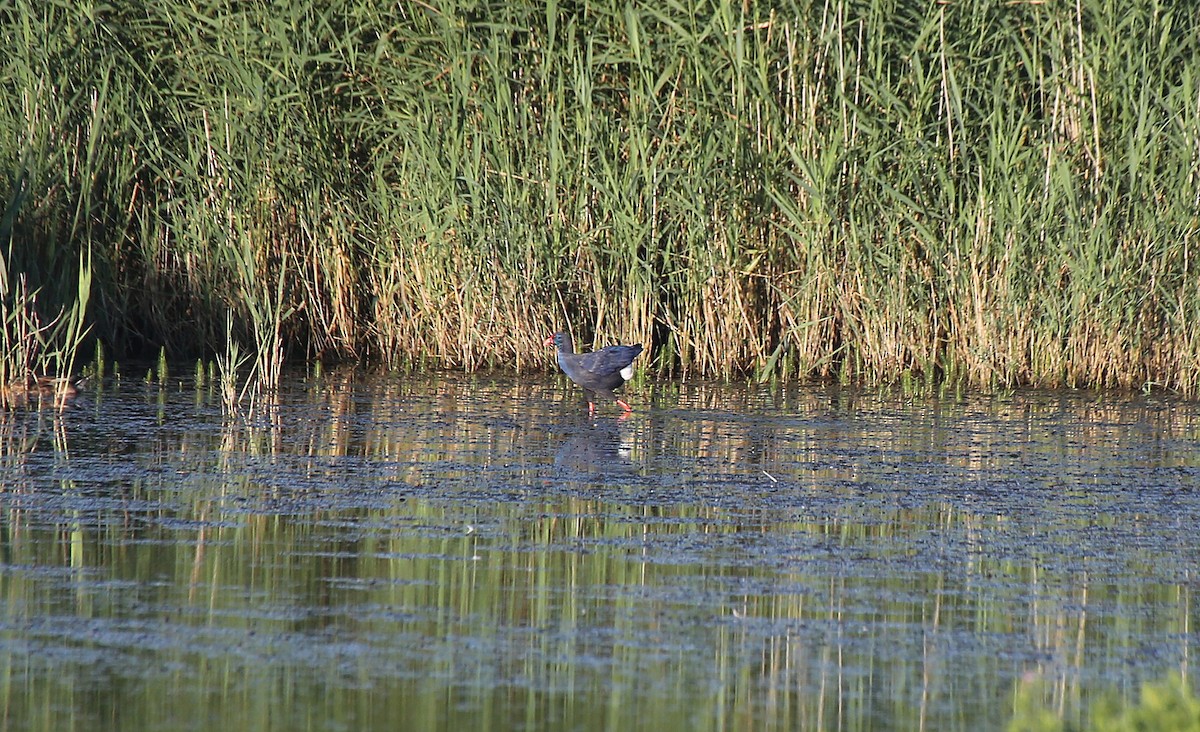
(983, 193)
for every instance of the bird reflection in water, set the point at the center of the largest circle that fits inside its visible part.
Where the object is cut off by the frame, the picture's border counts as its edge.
(601, 447)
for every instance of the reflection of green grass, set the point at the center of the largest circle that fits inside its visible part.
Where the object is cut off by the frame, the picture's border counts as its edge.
(1169, 705)
(394, 565)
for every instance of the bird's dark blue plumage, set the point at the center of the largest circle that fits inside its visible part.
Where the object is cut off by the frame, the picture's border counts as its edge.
(598, 372)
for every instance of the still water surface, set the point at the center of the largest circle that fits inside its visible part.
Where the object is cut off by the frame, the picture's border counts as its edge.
(474, 553)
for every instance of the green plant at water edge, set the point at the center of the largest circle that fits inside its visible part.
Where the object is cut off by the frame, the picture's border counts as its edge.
(1169, 705)
(229, 364)
(96, 368)
(37, 352)
(263, 296)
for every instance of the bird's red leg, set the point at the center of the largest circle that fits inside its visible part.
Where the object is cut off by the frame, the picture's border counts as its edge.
(628, 409)
(591, 409)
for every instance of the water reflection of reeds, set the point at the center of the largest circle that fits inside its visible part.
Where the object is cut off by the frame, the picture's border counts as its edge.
(422, 550)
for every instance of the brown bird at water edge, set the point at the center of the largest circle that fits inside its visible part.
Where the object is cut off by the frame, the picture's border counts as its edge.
(598, 372)
(35, 388)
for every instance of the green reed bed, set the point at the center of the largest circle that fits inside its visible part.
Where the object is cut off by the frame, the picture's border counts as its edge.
(984, 193)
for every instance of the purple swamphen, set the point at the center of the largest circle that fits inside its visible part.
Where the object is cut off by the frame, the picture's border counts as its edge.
(598, 372)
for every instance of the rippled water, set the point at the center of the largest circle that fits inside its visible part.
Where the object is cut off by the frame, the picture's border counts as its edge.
(474, 553)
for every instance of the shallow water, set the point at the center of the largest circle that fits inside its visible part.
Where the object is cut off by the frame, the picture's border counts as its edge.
(474, 553)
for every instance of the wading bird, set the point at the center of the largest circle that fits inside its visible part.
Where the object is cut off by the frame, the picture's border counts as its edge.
(598, 372)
